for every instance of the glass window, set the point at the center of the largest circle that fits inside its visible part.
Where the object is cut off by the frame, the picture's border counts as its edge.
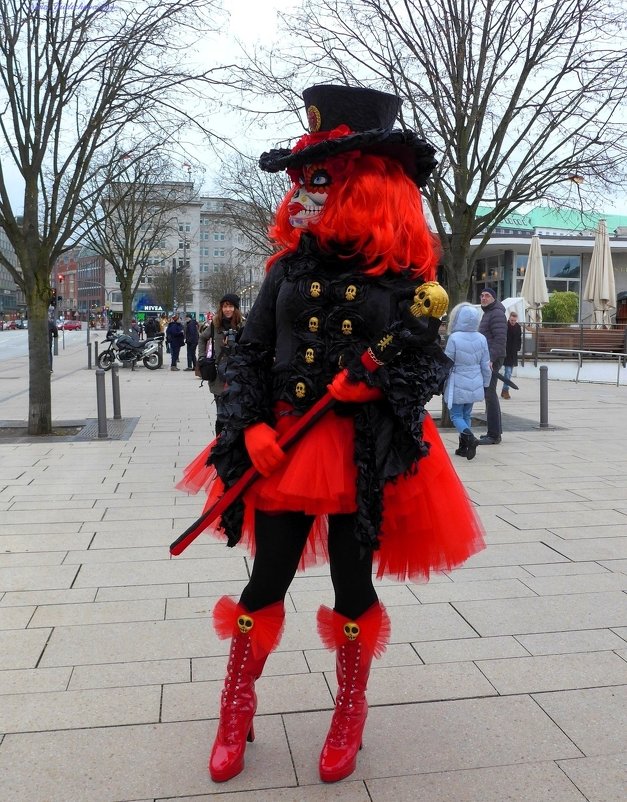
(218, 251)
(565, 266)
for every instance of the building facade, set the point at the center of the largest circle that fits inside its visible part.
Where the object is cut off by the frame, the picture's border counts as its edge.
(566, 239)
(12, 303)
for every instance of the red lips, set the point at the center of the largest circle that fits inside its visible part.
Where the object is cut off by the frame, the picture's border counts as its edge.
(295, 208)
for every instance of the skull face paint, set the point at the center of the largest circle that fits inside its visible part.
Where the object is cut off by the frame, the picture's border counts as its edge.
(309, 197)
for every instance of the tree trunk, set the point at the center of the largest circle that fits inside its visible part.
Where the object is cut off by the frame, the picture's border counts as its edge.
(39, 399)
(127, 307)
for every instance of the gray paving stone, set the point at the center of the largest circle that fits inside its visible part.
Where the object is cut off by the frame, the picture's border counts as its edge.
(50, 514)
(27, 559)
(15, 617)
(539, 782)
(585, 583)
(37, 577)
(446, 736)
(34, 680)
(347, 791)
(593, 718)
(424, 683)
(142, 592)
(422, 622)
(118, 675)
(79, 709)
(598, 548)
(98, 556)
(21, 648)
(545, 614)
(98, 613)
(555, 672)
(37, 597)
(159, 572)
(135, 763)
(465, 649)
(51, 543)
(600, 779)
(144, 640)
(514, 554)
(566, 518)
(481, 589)
(481, 574)
(592, 640)
(566, 569)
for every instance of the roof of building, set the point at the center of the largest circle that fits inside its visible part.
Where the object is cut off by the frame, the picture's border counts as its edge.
(547, 220)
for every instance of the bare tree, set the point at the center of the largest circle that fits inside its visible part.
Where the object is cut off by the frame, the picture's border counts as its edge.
(76, 78)
(251, 198)
(230, 279)
(134, 219)
(519, 98)
(168, 286)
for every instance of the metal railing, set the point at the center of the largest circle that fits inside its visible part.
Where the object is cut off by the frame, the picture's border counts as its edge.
(548, 340)
(580, 354)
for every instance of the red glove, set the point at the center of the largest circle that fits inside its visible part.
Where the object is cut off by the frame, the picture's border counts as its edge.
(343, 389)
(264, 452)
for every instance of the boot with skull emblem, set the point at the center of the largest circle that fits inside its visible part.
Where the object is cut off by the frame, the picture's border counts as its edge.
(355, 643)
(254, 635)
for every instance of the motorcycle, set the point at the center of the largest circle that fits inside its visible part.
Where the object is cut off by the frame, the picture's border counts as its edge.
(124, 350)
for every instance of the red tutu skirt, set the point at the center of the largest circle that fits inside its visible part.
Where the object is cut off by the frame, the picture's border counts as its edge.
(429, 524)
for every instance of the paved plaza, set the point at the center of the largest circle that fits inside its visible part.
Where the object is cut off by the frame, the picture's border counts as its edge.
(505, 680)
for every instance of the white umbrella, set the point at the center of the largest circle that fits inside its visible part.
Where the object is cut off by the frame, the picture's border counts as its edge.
(600, 288)
(534, 289)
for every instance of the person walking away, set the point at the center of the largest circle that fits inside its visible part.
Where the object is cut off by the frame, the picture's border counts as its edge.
(217, 340)
(175, 337)
(512, 347)
(370, 482)
(493, 326)
(53, 334)
(470, 375)
(151, 327)
(191, 340)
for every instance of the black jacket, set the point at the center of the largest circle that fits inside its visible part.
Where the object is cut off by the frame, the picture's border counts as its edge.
(315, 315)
(493, 326)
(514, 341)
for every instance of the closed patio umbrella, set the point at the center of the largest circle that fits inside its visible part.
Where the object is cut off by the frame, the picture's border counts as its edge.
(534, 289)
(600, 289)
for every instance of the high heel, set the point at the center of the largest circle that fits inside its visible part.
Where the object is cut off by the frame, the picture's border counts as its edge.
(254, 636)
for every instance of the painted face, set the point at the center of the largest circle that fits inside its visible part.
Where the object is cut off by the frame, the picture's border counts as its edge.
(310, 196)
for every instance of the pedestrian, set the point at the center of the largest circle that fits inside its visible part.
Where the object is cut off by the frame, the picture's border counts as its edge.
(512, 347)
(351, 246)
(175, 338)
(164, 323)
(493, 326)
(471, 373)
(53, 334)
(152, 326)
(216, 342)
(135, 328)
(191, 340)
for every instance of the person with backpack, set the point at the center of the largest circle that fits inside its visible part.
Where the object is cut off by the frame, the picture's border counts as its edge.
(151, 327)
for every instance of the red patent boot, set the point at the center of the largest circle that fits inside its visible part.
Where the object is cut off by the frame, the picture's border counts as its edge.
(254, 636)
(356, 643)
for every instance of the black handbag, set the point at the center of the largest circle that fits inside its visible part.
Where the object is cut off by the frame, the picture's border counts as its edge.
(207, 364)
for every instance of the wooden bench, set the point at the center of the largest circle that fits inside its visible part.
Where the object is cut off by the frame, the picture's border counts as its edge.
(608, 340)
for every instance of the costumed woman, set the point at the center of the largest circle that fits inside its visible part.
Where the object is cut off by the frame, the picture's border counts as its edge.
(369, 486)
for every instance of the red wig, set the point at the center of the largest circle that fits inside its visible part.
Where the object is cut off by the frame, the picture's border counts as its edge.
(372, 209)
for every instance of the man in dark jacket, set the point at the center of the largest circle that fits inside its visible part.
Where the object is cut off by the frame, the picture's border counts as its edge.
(493, 326)
(191, 338)
(514, 341)
(53, 333)
(175, 336)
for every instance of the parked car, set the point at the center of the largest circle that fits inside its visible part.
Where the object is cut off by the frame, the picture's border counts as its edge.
(70, 325)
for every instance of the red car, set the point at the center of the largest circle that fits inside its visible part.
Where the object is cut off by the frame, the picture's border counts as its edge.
(70, 325)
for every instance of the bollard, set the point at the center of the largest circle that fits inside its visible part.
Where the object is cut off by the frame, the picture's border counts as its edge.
(88, 356)
(55, 346)
(101, 402)
(161, 354)
(115, 386)
(96, 353)
(544, 397)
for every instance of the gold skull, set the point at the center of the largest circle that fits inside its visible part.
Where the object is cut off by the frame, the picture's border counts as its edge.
(300, 389)
(351, 292)
(430, 300)
(315, 290)
(313, 324)
(245, 624)
(347, 328)
(351, 630)
(309, 356)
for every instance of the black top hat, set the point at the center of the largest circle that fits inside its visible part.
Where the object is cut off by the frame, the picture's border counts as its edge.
(369, 115)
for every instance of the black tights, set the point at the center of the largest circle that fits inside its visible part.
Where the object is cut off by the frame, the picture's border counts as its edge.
(279, 543)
